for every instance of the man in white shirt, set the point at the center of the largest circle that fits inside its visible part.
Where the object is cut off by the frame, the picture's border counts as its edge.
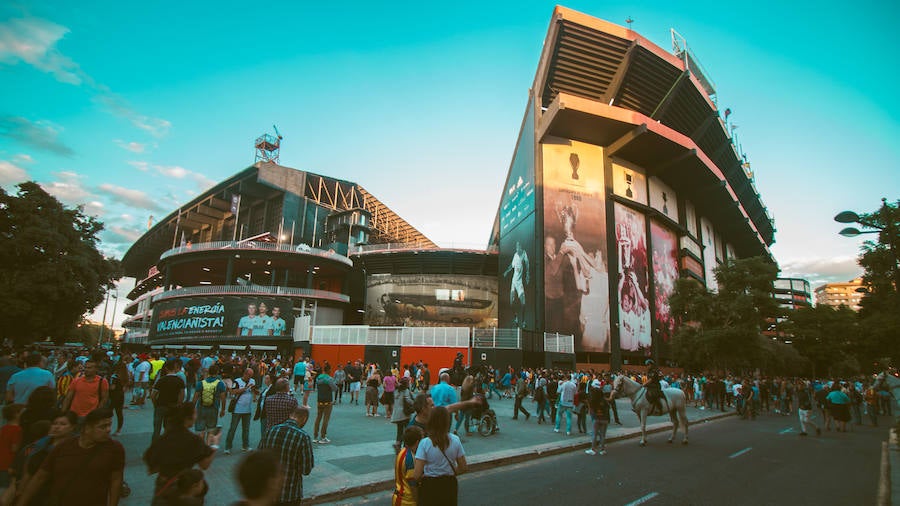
(566, 404)
(141, 380)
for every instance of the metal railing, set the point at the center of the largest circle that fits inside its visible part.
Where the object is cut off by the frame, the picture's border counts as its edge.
(260, 246)
(368, 248)
(555, 342)
(497, 338)
(269, 291)
(454, 337)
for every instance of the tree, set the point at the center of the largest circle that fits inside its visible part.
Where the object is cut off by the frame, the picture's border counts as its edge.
(827, 336)
(880, 314)
(51, 272)
(722, 330)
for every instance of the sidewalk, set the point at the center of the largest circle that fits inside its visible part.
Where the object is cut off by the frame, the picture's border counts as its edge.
(360, 457)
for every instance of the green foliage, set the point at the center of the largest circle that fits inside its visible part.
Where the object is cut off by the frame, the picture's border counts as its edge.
(880, 313)
(51, 272)
(722, 330)
(827, 336)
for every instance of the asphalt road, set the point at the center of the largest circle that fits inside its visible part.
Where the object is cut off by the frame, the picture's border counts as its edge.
(732, 461)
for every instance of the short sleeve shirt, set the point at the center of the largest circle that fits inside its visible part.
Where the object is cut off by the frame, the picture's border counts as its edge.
(84, 473)
(169, 387)
(436, 464)
(176, 451)
(142, 372)
(245, 400)
(26, 381)
(86, 394)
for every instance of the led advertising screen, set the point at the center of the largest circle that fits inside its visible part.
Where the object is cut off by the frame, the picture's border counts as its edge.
(634, 306)
(518, 196)
(222, 316)
(663, 243)
(576, 277)
(420, 300)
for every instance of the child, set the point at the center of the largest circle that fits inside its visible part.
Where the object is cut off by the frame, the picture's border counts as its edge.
(10, 438)
(405, 493)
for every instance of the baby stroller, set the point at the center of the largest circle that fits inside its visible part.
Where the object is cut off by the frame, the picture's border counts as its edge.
(484, 420)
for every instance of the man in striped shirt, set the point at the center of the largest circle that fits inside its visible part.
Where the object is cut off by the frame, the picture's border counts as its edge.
(294, 447)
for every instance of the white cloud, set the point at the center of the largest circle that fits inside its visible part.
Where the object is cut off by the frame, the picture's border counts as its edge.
(820, 270)
(173, 171)
(11, 174)
(41, 135)
(23, 158)
(68, 188)
(118, 234)
(94, 208)
(33, 41)
(141, 166)
(129, 197)
(134, 147)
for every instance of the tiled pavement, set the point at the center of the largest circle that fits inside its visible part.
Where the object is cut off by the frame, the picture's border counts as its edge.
(360, 455)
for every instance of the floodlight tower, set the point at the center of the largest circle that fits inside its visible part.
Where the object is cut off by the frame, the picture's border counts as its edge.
(268, 146)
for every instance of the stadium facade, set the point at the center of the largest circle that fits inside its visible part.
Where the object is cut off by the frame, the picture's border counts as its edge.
(624, 177)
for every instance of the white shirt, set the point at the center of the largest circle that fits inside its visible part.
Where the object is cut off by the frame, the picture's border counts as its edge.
(142, 372)
(435, 462)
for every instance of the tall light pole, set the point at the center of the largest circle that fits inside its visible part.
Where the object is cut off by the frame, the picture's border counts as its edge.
(888, 230)
(103, 321)
(112, 319)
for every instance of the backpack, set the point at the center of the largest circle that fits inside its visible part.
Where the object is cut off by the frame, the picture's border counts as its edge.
(208, 395)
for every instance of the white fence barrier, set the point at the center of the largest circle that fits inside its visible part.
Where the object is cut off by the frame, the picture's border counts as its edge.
(558, 343)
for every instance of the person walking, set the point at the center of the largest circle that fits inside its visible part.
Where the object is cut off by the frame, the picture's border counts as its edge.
(566, 404)
(178, 449)
(279, 403)
(168, 391)
(86, 393)
(325, 389)
(403, 409)
(521, 393)
(209, 395)
(294, 448)
(440, 458)
(242, 394)
(599, 408)
(22, 383)
(87, 469)
(805, 408)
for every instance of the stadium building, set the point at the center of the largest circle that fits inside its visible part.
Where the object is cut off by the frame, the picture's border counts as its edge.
(625, 176)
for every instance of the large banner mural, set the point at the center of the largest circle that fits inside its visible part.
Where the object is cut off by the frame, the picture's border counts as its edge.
(516, 286)
(709, 254)
(423, 300)
(576, 277)
(664, 244)
(634, 306)
(222, 316)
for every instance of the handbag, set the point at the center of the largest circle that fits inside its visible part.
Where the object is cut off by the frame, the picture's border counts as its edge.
(408, 407)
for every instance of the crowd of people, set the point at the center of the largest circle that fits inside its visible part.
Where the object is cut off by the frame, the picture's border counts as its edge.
(58, 439)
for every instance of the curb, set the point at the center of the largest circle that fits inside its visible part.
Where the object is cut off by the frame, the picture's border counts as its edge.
(505, 458)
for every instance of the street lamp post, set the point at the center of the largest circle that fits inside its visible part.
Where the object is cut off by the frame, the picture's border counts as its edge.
(888, 231)
(103, 320)
(112, 319)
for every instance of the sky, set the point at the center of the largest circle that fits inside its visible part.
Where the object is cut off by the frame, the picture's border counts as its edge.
(131, 109)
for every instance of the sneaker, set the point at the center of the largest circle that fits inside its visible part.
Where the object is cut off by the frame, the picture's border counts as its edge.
(555, 430)
(316, 440)
(590, 452)
(227, 452)
(601, 452)
(324, 441)
(245, 450)
(568, 433)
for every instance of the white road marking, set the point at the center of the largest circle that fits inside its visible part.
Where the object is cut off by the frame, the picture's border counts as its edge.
(738, 454)
(644, 499)
(785, 431)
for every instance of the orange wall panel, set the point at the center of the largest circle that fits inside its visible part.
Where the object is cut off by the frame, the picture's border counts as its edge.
(337, 353)
(436, 358)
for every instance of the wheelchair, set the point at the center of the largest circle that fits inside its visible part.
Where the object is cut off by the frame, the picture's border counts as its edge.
(484, 419)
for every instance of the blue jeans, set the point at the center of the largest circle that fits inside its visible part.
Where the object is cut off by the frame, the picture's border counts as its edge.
(567, 410)
(599, 434)
(159, 415)
(465, 417)
(244, 419)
